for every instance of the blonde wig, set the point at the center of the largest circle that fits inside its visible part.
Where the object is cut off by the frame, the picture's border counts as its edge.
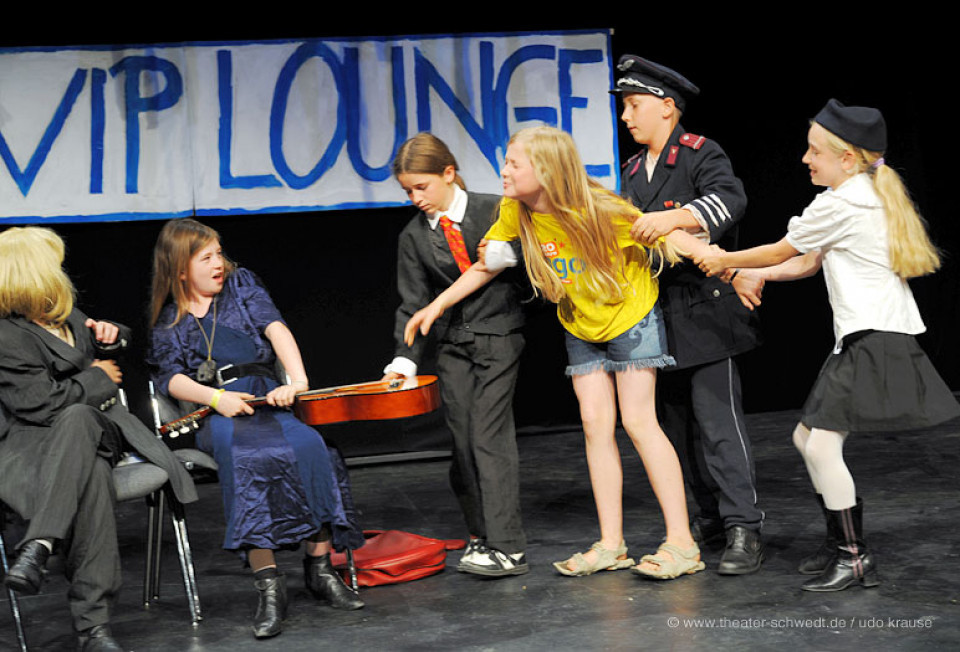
(32, 281)
(178, 242)
(911, 251)
(425, 154)
(585, 210)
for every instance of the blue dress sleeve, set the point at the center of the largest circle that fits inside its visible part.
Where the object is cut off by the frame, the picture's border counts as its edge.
(167, 352)
(254, 296)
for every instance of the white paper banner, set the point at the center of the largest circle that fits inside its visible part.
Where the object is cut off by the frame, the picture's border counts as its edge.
(242, 127)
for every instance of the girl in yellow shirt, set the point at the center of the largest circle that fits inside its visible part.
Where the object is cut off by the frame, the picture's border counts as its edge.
(579, 254)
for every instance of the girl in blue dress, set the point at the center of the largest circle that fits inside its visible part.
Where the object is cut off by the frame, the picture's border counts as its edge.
(215, 339)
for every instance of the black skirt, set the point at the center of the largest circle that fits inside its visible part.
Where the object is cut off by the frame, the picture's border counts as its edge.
(880, 381)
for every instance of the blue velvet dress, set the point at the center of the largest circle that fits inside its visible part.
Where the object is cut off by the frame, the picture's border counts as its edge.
(280, 483)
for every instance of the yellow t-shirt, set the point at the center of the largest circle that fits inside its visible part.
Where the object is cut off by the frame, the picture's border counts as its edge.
(594, 319)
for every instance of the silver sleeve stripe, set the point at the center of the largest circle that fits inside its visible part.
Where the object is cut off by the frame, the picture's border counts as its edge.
(713, 207)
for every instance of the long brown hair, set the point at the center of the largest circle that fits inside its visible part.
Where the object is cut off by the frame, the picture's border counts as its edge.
(177, 243)
(425, 154)
(585, 211)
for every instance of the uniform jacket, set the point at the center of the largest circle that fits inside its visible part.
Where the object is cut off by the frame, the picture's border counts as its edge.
(40, 376)
(425, 267)
(705, 320)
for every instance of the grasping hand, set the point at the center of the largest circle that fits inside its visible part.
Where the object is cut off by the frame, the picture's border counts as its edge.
(111, 368)
(749, 286)
(232, 404)
(712, 264)
(650, 226)
(284, 395)
(103, 331)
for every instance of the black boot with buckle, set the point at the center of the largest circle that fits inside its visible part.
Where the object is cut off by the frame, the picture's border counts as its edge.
(853, 562)
(272, 606)
(325, 583)
(819, 561)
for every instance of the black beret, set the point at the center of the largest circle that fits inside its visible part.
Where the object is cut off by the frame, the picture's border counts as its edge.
(636, 75)
(858, 125)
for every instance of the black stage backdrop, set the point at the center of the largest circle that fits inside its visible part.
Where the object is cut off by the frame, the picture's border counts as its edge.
(332, 274)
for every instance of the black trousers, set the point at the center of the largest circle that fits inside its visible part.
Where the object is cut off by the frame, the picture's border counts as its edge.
(477, 382)
(55, 478)
(701, 411)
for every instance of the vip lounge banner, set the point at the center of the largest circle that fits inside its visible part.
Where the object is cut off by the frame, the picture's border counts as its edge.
(118, 133)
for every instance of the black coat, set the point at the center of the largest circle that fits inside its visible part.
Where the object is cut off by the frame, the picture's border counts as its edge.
(425, 268)
(705, 319)
(40, 376)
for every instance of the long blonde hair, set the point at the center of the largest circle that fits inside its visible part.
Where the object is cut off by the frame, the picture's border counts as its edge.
(911, 251)
(32, 281)
(585, 211)
(177, 243)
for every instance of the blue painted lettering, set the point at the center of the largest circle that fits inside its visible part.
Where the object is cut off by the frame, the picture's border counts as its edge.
(25, 178)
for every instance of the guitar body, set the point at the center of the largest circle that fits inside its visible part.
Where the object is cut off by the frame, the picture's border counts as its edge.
(369, 401)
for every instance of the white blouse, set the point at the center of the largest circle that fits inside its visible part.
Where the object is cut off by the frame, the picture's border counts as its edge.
(849, 226)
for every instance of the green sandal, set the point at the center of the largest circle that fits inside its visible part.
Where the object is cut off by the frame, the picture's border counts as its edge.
(684, 562)
(578, 566)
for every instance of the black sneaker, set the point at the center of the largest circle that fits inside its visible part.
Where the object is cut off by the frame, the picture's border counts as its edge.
(493, 563)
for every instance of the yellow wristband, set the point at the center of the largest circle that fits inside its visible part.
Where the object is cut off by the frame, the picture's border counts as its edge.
(216, 398)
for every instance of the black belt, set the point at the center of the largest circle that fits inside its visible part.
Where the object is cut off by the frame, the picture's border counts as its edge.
(230, 372)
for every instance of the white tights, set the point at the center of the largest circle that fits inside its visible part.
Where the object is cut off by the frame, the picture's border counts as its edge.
(822, 452)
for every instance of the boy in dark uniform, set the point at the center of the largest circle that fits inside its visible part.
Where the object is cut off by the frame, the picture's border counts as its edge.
(685, 181)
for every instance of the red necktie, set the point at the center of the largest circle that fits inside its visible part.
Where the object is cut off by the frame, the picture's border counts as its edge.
(455, 240)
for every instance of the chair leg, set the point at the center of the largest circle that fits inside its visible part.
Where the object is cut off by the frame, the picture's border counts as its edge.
(185, 554)
(151, 571)
(14, 600)
(352, 566)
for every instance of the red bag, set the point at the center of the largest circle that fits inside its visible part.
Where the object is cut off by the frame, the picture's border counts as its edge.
(392, 556)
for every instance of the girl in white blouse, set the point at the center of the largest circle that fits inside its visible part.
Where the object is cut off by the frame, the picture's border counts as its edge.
(868, 238)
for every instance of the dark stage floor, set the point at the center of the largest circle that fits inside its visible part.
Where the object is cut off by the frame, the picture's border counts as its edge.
(909, 483)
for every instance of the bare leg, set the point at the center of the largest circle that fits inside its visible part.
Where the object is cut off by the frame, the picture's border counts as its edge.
(637, 412)
(598, 411)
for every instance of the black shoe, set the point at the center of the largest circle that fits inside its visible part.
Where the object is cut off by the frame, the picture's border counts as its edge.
(706, 531)
(26, 574)
(743, 554)
(493, 563)
(325, 583)
(272, 607)
(97, 639)
(853, 563)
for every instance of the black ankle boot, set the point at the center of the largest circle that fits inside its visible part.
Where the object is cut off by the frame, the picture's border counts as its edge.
(272, 607)
(853, 562)
(97, 639)
(325, 583)
(817, 562)
(26, 574)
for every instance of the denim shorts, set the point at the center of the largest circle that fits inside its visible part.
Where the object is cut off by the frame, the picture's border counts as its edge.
(644, 345)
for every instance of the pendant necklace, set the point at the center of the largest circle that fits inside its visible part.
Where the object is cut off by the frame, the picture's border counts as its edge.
(207, 371)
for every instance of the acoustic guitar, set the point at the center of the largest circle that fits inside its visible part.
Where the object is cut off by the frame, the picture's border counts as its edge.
(371, 401)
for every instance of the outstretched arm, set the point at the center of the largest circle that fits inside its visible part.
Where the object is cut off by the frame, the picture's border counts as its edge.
(469, 282)
(716, 262)
(797, 267)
